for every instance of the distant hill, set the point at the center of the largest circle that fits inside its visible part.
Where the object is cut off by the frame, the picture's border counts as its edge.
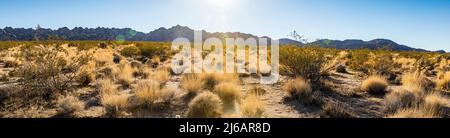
(167, 35)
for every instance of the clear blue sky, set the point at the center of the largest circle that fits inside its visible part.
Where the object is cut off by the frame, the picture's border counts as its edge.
(417, 23)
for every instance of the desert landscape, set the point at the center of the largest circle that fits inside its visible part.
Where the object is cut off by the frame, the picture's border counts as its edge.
(133, 79)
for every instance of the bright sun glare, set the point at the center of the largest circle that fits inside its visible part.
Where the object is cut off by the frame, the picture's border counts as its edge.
(221, 3)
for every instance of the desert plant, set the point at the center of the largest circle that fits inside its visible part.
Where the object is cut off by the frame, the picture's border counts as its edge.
(335, 110)
(49, 70)
(192, 84)
(149, 93)
(411, 113)
(416, 79)
(305, 62)
(375, 85)
(252, 107)
(162, 76)
(402, 98)
(444, 81)
(131, 51)
(435, 104)
(115, 104)
(69, 105)
(205, 105)
(300, 89)
(228, 92)
(124, 74)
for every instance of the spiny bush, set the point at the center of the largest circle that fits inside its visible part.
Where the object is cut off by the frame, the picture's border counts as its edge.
(252, 107)
(131, 51)
(192, 84)
(375, 85)
(300, 89)
(49, 70)
(305, 62)
(335, 110)
(228, 92)
(69, 105)
(205, 105)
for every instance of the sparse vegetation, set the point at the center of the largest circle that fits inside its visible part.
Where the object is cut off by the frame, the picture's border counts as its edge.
(205, 105)
(252, 107)
(375, 85)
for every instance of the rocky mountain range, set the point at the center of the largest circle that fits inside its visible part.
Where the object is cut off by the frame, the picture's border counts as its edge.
(169, 34)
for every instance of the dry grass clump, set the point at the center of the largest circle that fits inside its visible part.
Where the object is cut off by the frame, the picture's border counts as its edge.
(205, 105)
(411, 113)
(416, 79)
(435, 104)
(301, 90)
(406, 63)
(115, 104)
(192, 84)
(210, 80)
(149, 93)
(162, 76)
(107, 87)
(69, 105)
(252, 107)
(124, 75)
(443, 81)
(375, 85)
(228, 92)
(335, 110)
(402, 98)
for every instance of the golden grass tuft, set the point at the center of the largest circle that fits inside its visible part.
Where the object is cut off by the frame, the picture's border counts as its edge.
(402, 98)
(69, 105)
(124, 74)
(435, 104)
(375, 85)
(416, 79)
(228, 92)
(205, 105)
(252, 107)
(301, 90)
(149, 93)
(162, 76)
(411, 113)
(335, 110)
(443, 81)
(192, 84)
(115, 104)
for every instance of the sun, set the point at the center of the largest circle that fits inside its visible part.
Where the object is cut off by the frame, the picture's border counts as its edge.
(221, 3)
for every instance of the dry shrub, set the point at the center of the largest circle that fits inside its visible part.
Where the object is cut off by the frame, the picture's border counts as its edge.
(443, 82)
(162, 76)
(228, 92)
(69, 105)
(205, 105)
(149, 93)
(335, 110)
(402, 98)
(375, 85)
(210, 80)
(49, 70)
(300, 89)
(252, 107)
(306, 62)
(411, 113)
(124, 74)
(416, 79)
(107, 87)
(115, 104)
(435, 104)
(192, 84)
